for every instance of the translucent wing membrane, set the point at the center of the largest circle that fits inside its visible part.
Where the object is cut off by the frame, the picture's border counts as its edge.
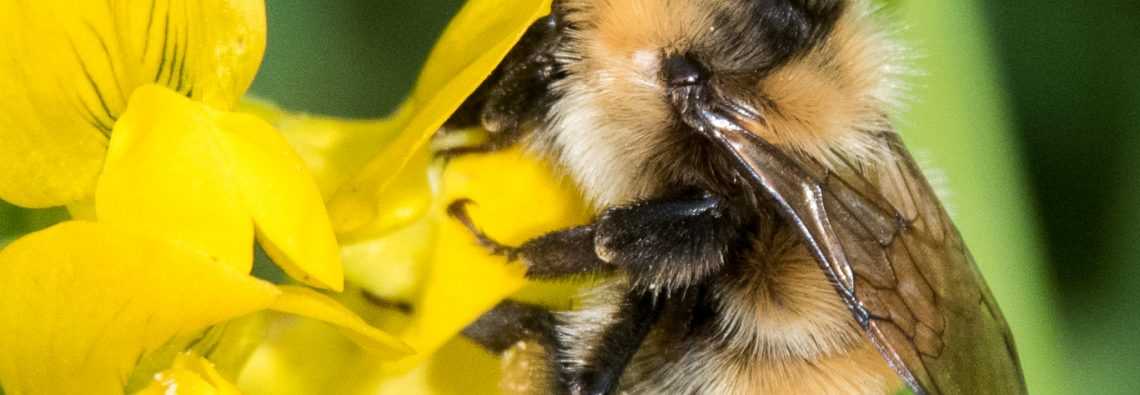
(888, 246)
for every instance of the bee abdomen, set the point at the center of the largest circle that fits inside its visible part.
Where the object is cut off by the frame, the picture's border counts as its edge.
(772, 324)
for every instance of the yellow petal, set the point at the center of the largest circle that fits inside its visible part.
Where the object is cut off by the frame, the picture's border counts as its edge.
(181, 382)
(286, 206)
(60, 64)
(307, 303)
(308, 358)
(516, 198)
(69, 67)
(206, 49)
(338, 148)
(81, 302)
(169, 174)
(333, 148)
(180, 170)
(303, 357)
(392, 267)
(227, 345)
(190, 375)
(469, 49)
(406, 195)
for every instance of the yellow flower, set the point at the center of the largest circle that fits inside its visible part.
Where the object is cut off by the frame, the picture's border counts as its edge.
(69, 68)
(190, 374)
(380, 197)
(123, 106)
(133, 131)
(388, 210)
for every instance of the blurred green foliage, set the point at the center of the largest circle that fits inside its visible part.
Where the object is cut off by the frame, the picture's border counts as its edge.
(16, 221)
(958, 124)
(1071, 69)
(351, 58)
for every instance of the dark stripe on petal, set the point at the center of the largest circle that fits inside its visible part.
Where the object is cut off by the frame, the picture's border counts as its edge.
(179, 65)
(149, 23)
(183, 74)
(162, 56)
(168, 63)
(93, 119)
(103, 123)
(110, 59)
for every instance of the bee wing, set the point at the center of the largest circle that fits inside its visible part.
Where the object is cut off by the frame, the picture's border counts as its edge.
(901, 268)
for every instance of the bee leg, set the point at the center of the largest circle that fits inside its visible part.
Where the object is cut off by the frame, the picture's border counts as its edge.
(667, 243)
(458, 210)
(596, 373)
(599, 372)
(511, 322)
(494, 142)
(673, 242)
(516, 96)
(554, 255)
(663, 243)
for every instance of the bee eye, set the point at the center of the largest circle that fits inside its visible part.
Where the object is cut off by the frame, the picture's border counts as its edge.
(681, 70)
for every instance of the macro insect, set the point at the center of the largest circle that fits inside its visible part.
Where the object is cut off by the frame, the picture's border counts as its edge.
(763, 228)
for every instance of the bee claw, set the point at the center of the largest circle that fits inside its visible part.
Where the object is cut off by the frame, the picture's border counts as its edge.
(458, 210)
(446, 155)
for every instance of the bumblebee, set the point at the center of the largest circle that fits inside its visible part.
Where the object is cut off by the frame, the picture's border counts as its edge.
(760, 226)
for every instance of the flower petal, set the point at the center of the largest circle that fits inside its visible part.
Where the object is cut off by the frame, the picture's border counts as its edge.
(190, 375)
(208, 50)
(516, 198)
(308, 303)
(286, 206)
(169, 174)
(180, 170)
(332, 147)
(469, 49)
(337, 148)
(392, 267)
(307, 359)
(68, 69)
(82, 302)
(60, 72)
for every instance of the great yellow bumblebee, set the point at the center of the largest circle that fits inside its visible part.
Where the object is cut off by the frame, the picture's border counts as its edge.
(765, 229)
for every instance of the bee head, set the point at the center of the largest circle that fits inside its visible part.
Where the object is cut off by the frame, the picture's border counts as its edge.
(817, 74)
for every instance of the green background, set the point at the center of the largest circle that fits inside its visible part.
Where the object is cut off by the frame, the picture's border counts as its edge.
(1030, 108)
